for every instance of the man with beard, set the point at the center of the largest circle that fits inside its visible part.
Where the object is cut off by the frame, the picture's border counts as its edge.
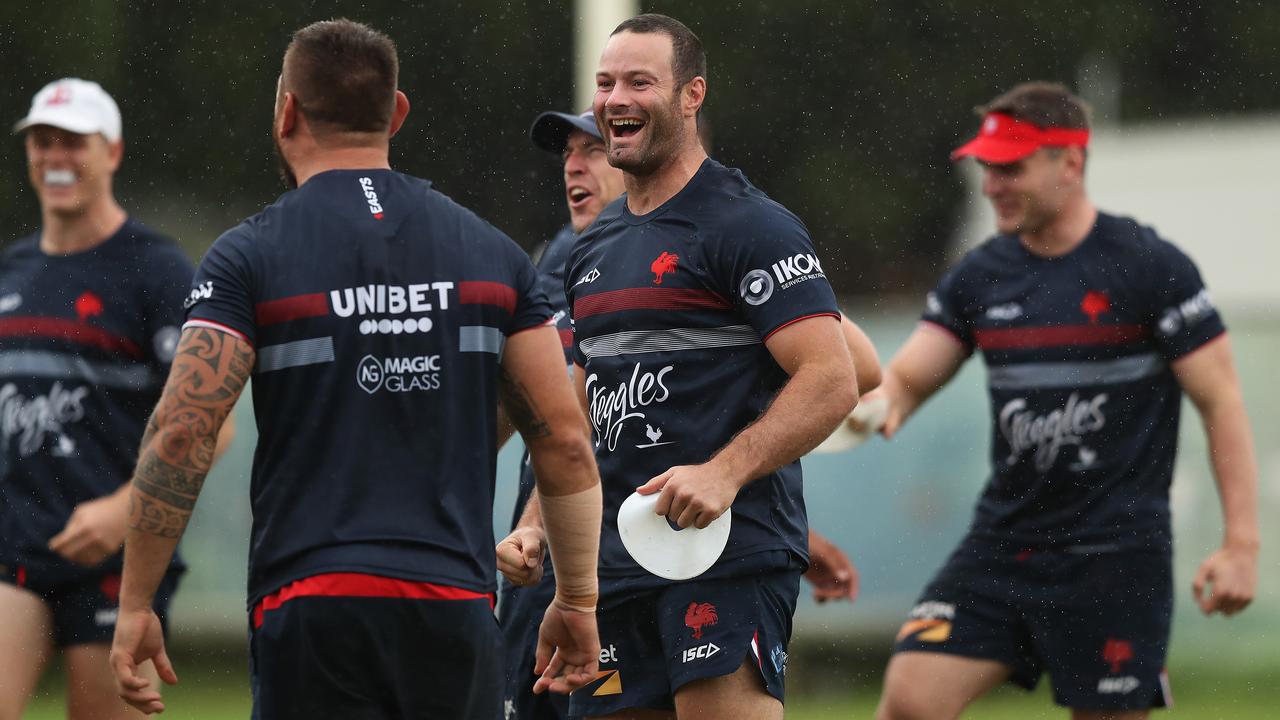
(1092, 328)
(591, 184)
(90, 307)
(709, 355)
(380, 323)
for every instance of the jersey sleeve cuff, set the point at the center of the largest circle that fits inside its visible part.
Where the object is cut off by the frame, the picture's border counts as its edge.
(213, 325)
(793, 321)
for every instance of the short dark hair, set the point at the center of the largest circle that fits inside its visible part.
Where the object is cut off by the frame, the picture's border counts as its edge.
(688, 59)
(343, 75)
(1044, 104)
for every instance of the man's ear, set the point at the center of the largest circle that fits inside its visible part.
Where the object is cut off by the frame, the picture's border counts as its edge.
(692, 95)
(399, 113)
(287, 119)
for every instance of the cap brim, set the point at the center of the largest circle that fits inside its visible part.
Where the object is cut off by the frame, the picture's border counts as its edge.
(993, 150)
(62, 122)
(551, 130)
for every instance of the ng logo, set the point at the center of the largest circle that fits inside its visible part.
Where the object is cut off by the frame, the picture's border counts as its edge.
(369, 374)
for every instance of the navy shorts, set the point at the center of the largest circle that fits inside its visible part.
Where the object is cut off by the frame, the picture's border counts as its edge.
(1096, 619)
(84, 610)
(365, 647)
(520, 611)
(655, 643)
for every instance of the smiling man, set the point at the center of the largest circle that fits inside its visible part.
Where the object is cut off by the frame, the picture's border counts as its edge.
(710, 357)
(1092, 328)
(90, 307)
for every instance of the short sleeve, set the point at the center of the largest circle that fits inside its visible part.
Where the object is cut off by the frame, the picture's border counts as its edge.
(943, 307)
(770, 269)
(532, 308)
(1185, 316)
(221, 294)
(168, 282)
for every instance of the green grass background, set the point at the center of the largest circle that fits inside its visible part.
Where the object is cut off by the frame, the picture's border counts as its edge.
(216, 688)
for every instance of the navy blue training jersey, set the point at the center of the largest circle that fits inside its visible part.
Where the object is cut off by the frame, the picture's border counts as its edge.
(85, 345)
(551, 283)
(1084, 404)
(671, 312)
(378, 309)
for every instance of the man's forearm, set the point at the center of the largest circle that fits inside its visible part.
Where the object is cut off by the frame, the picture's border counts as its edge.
(1235, 470)
(209, 372)
(805, 411)
(532, 514)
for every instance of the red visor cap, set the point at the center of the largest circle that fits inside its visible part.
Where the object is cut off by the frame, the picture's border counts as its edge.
(1004, 139)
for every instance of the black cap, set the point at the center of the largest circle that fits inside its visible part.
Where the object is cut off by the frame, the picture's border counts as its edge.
(551, 130)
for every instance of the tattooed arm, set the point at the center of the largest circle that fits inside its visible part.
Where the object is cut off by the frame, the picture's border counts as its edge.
(209, 372)
(540, 403)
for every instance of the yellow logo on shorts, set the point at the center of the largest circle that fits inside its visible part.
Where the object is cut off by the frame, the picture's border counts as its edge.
(611, 686)
(930, 630)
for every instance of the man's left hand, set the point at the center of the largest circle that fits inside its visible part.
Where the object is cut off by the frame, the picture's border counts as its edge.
(95, 530)
(831, 572)
(1231, 576)
(692, 495)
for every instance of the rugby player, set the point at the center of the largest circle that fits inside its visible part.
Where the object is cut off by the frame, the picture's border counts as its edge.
(591, 184)
(1092, 328)
(371, 312)
(90, 306)
(708, 351)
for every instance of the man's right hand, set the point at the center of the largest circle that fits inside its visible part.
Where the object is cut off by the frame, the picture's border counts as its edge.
(138, 638)
(568, 650)
(520, 556)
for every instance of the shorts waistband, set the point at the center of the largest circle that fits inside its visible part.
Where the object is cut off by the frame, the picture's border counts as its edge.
(362, 585)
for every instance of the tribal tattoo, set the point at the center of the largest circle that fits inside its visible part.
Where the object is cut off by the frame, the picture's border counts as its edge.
(209, 372)
(520, 408)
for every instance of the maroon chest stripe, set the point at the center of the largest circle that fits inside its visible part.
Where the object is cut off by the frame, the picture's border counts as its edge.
(1057, 336)
(285, 309)
(480, 292)
(648, 299)
(62, 329)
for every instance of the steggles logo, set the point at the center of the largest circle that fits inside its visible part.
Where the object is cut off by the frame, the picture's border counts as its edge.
(611, 408)
(1047, 434)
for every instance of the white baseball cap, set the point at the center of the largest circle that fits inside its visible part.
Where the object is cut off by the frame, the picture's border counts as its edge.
(75, 105)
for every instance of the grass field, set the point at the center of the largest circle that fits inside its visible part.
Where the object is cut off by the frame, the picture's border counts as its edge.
(220, 692)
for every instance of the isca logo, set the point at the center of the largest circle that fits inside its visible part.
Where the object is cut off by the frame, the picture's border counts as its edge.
(375, 207)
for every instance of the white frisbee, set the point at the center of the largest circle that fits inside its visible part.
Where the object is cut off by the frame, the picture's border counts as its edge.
(869, 415)
(664, 551)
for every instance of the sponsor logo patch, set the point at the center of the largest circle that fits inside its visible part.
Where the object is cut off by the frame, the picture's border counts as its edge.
(611, 408)
(756, 287)
(399, 374)
(929, 622)
(29, 420)
(375, 207)
(589, 278)
(203, 291)
(1118, 685)
(796, 269)
(1045, 435)
(1008, 311)
(701, 652)
(10, 302)
(1185, 314)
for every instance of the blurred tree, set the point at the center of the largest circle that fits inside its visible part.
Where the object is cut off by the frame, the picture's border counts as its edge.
(844, 110)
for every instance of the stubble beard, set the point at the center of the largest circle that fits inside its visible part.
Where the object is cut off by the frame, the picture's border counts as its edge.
(287, 175)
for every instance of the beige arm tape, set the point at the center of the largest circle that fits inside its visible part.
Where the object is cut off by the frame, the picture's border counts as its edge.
(572, 523)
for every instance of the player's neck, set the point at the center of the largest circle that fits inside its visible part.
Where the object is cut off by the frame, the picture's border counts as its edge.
(344, 158)
(65, 235)
(645, 193)
(1065, 233)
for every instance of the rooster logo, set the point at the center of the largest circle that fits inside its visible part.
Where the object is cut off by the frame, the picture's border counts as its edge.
(665, 263)
(653, 435)
(698, 616)
(110, 587)
(88, 305)
(1116, 653)
(1094, 304)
